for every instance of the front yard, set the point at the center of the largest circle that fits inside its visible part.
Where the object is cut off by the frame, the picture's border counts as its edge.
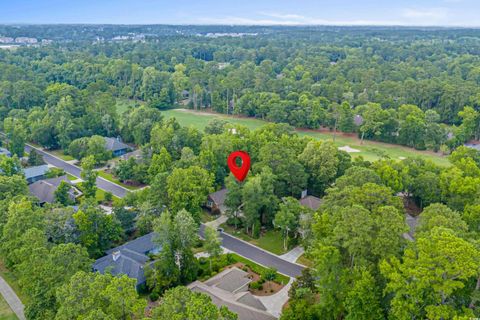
(270, 240)
(110, 177)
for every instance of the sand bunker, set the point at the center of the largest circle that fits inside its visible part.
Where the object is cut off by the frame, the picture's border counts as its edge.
(348, 149)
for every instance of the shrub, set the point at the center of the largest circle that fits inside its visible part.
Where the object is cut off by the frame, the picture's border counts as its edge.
(154, 296)
(256, 285)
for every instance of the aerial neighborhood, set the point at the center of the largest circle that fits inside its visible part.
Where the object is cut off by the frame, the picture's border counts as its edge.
(250, 172)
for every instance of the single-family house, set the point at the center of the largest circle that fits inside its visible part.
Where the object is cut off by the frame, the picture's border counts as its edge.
(230, 289)
(216, 201)
(5, 152)
(311, 202)
(129, 259)
(44, 190)
(116, 146)
(33, 174)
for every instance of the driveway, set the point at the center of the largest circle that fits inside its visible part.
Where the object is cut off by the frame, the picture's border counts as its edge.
(12, 299)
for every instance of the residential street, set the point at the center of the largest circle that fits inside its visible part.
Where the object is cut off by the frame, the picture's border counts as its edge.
(258, 255)
(103, 184)
(229, 242)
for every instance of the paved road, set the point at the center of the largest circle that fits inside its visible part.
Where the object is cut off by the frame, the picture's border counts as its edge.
(12, 299)
(258, 255)
(103, 184)
(229, 242)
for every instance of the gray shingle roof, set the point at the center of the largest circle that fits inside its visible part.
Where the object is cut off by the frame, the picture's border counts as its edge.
(113, 144)
(34, 172)
(129, 258)
(219, 197)
(44, 190)
(244, 304)
(123, 261)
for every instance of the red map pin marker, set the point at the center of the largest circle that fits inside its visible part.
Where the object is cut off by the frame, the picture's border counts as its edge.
(239, 172)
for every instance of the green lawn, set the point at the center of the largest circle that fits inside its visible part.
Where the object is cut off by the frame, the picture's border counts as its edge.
(5, 312)
(271, 241)
(12, 280)
(61, 155)
(111, 178)
(71, 178)
(303, 260)
(370, 150)
(99, 196)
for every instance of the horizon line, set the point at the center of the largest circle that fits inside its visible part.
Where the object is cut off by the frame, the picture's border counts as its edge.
(235, 25)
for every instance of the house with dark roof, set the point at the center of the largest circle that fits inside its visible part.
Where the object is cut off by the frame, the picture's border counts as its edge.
(311, 202)
(5, 152)
(44, 190)
(129, 259)
(34, 174)
(230, 289)
(116, 146)
(216, 200)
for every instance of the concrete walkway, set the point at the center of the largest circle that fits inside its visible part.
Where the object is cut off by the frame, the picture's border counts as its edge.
(216, 223)
(293, 255)
(275, 303)
(12, 299)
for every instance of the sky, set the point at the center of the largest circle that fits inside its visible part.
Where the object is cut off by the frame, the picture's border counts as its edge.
(245, 12)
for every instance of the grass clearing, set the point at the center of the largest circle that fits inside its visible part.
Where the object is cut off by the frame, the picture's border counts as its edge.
(123, 105)
(111, 178)
(271, 240)
(370, 150)
(71, 178)
(60, 154)
(5, 312)
(99, 196)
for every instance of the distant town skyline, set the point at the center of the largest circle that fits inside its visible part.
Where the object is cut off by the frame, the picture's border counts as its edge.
(246, 12)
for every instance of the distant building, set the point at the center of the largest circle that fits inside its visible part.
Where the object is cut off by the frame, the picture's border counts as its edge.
(216, 200)
(116, 146)
(6, 40)
(5, 152)
(129, 259)
(44, 190)
(230, 289)
(34, 174)
(26, 40)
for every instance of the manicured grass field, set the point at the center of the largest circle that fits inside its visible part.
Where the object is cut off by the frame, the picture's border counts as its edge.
(271, 241)
(5, 312)
(370, 150)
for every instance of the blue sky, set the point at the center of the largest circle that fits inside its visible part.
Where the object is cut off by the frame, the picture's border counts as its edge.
(265, 12)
